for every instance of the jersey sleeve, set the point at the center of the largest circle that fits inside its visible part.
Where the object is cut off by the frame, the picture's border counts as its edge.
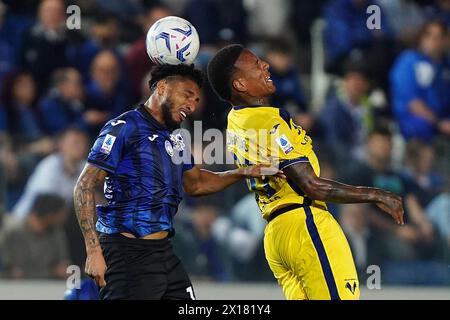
(289, 143)
(107, 150)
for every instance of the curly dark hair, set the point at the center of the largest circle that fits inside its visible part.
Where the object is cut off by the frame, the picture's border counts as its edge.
(220, 70)
(181, 70)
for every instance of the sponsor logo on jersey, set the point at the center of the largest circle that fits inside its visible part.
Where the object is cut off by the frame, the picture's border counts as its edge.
(107, 144)
(284, 144)
(115, 123)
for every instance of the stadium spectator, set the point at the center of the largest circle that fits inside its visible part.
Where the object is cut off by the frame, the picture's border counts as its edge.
(18, 102)
(439, 10)
(45, 45)
(13, 25)
(6, 48)
(302, 16)
(416, 238)
(217, 19)
(37, 247)
(137, 59)
(347, 116)
(286, 78)
(346, 35)
(24, 142)
(203, 256)
(104, 35)
(405, 18)
(425, 182)
(241, 233)
(106, 96)
(420, 86)
(63, 107)
(57, 173)
(267, 18)
(429, 187)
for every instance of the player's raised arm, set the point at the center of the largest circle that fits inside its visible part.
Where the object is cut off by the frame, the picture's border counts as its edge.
(303, 175)
(199, 182)
(84, 202)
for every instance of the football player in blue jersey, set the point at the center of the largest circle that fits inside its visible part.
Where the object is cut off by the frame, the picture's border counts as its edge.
(129, 253)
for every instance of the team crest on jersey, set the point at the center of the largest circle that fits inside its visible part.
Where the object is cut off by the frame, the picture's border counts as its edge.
(351, 286)
(107, 144)
(169, 148)
(284, 144)
(177, 141)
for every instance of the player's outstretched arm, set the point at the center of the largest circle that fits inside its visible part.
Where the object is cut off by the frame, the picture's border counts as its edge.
(200, 182)
(84, 202)
(302, 174)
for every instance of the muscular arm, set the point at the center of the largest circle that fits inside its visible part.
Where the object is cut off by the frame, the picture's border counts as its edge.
(200, 182)
(84, 202)
(302, 174)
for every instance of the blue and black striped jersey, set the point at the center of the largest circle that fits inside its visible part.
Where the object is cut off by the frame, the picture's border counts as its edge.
(144, 186)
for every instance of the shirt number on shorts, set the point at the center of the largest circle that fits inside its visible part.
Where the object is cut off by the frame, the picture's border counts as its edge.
(191, 292)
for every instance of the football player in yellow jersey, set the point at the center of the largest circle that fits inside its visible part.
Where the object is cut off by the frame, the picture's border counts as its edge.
(304, 245)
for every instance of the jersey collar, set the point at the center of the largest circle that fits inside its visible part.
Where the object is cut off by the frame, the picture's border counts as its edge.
(251, 106)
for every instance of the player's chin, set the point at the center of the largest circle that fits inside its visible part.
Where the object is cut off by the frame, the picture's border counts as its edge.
(271, 87)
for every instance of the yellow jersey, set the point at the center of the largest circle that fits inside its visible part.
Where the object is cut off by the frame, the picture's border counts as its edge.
(267, 135)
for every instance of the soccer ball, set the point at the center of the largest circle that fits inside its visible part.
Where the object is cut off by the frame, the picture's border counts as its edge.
(172, 40)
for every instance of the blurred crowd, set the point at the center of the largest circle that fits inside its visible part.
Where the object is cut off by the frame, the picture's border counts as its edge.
(383, 120)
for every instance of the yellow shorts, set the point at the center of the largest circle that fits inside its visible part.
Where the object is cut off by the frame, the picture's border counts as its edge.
(310, 256)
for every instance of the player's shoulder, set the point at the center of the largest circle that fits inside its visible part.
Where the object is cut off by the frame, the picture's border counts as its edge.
(123, 124)
(126, 119)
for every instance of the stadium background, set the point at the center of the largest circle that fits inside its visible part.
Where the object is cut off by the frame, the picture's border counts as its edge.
(347, 84)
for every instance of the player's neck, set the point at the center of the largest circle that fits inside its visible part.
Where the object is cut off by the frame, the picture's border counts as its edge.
(155, 110)
(250, 101)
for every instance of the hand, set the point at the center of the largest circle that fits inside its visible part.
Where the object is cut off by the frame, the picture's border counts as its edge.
(408, 233)
(392, 204)
(96, 267)
(262, 170)
(444, 126)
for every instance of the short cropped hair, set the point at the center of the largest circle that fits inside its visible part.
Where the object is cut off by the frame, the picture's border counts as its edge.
(161, 72)
(382, 128)
(47, 203)
(220, 70)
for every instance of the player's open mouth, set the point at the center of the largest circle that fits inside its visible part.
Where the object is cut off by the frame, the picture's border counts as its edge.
(183, 115)
(268, 80)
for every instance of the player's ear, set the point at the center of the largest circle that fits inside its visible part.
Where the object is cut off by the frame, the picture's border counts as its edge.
(161, 87)
(239, 85)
